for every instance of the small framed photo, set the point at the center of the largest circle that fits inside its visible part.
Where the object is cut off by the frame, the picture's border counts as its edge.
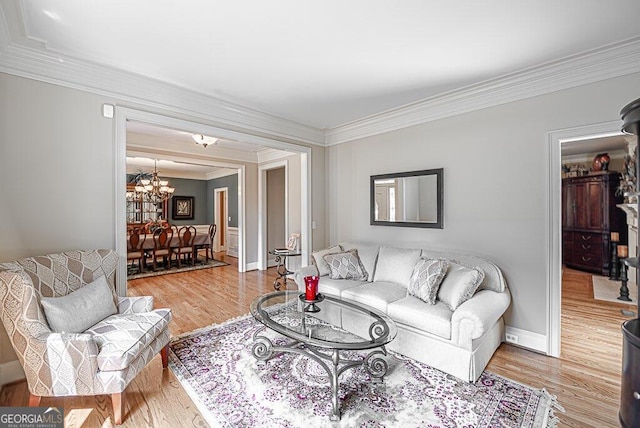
(182, 208)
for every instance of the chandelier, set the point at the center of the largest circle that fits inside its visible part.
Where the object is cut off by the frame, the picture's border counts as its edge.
(204, 140)
(154, 190)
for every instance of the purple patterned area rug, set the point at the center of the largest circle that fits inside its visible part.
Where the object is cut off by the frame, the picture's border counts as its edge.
(232, 389)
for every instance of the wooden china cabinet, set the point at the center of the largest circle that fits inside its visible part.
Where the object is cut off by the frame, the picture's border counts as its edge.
(589, 215)
(139, 211)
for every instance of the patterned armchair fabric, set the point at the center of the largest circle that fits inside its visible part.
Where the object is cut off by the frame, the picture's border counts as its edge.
(102, 360)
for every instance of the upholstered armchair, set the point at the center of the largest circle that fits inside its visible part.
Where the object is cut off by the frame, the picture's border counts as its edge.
(101, 359)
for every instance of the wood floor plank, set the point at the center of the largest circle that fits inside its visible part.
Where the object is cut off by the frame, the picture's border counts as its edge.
(586, 377)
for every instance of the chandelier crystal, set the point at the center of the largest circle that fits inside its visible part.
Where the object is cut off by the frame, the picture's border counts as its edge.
(154, 190)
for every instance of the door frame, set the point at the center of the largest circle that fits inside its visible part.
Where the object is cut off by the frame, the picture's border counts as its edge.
(216, 214)
(554, 220)
(263, 258)
(123, 114)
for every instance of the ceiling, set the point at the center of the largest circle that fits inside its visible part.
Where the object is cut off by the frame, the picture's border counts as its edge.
(323, 63)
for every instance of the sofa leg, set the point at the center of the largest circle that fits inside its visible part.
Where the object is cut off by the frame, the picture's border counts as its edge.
(34, 400)
(164, 353)
(117, 401)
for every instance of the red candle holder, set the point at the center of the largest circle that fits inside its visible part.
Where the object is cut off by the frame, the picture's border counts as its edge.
(311, 287)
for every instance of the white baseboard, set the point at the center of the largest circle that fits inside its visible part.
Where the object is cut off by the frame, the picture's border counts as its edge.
(527, 339)
(252, 266)
(10, 372)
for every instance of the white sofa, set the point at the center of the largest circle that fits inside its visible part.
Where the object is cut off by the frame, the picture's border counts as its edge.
(459, 342)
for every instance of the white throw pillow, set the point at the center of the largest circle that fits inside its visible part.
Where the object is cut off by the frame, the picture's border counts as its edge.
(81, 309)
(318, 257)
(346, 265)
(459, 284)
(426, 279)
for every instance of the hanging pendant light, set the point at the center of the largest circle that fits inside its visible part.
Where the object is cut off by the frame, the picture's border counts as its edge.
(204, 140)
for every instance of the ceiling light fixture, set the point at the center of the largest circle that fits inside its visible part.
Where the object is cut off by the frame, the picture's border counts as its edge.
(154, 190)
(204, 140)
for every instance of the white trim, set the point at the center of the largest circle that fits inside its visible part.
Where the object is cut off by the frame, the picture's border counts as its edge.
(11, 371)
(262, 208)
(120, 146)
(220, 173)
(306, 209)
(71, 72)
(528, 339)
(252, 266)
(554, 219)
(611, 61)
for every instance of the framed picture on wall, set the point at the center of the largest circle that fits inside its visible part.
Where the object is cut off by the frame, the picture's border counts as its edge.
(182, 208)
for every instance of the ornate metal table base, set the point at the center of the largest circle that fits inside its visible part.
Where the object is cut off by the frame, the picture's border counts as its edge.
(282, 271)
(263, 349)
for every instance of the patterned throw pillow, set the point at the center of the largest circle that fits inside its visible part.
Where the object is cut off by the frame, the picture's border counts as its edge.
(459, 284)
(318, 258)
(426, 279)
(346, 265)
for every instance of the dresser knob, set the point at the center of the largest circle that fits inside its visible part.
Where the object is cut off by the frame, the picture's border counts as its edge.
(586, 238)
(636, 395)
(586, 247)
(585, 259)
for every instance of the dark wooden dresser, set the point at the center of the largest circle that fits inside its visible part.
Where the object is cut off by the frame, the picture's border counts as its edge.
(589, 215)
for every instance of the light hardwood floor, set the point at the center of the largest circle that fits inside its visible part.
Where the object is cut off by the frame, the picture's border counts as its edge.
(586, 378)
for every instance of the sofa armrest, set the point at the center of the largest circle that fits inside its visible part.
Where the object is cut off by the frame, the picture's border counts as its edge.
(477, 315)
(135, 305)
(298, 277)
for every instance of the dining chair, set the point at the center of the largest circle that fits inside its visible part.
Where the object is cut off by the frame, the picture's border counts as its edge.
(162, 246)
(186, 236)
(212, 233)
(135, 247)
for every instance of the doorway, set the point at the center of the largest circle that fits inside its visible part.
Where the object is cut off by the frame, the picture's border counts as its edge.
(280, 204)
(221, 217)
(557, 141)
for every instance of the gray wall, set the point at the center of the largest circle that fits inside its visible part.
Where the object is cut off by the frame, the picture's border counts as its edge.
(495, 164)
(57, 173)
(195, 188)
(230, 181)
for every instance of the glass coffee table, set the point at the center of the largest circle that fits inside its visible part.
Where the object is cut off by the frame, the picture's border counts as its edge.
(287, 313)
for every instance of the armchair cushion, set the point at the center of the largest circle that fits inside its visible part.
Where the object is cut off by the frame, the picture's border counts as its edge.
(79, 310)
(135, 304)
(121, 338)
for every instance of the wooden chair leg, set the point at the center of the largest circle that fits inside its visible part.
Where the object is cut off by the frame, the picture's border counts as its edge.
(164, 353)
(34, 400)
(117, 401)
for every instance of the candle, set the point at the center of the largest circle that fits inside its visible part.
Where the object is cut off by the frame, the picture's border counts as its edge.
(623, 251)
(615, 237)
(311, 287)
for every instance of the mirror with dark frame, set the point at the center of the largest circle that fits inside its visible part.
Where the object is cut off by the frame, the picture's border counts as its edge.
(409, 199)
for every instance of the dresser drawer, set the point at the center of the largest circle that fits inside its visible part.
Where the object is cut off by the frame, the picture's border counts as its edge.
(585, 238)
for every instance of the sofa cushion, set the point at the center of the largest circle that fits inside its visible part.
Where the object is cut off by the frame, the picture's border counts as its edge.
(493, 279)
(435, 319)
(459, 284)
(80, 309)
(426, 279)
(368, 255)
(346, 265)
(396, 265)
(121, 338)
(321, 264)
(376, 294)
(335, 287)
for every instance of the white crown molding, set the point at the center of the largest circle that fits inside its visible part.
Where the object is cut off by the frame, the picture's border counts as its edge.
(221, 173)
(270, 155)
(64, 70)
(599, 64)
